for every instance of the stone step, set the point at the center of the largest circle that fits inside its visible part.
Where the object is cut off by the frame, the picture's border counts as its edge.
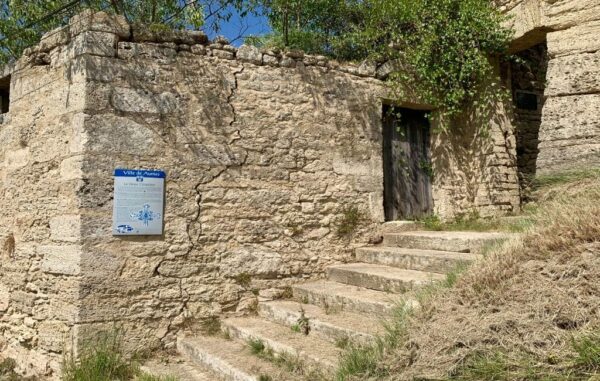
(399, 226)
(231, 360)
(179, 369)
(314, 354)
(414, 259)
(338, 296)
(380, 277)
(335, 326)
(465, 242)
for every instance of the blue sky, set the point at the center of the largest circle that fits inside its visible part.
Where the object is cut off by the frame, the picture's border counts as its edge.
(242, 26)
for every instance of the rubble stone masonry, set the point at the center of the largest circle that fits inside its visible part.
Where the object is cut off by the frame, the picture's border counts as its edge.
(263, 152)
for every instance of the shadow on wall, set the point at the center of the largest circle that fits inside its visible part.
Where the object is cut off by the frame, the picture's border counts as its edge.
(474, 163)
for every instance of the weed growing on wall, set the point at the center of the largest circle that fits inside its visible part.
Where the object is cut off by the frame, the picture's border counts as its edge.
(349, 221)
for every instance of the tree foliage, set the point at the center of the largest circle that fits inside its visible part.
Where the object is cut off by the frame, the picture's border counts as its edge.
(22, 22)
(442, 48)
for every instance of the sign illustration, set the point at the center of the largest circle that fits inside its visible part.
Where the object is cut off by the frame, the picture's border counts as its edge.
(138, 202)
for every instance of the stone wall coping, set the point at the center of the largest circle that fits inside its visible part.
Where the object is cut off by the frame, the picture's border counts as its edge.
(193, 41)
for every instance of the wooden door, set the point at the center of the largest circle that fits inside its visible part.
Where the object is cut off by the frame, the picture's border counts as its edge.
(406, 164)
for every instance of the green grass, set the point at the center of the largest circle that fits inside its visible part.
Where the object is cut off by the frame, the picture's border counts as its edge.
(472, 222)
(211, 326)
(104, 360)
(583, 364)
(564, 177)
(349, 222)
(587, 349)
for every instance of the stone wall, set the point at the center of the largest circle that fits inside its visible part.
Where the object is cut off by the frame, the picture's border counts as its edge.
(570, 129)
(528, 79)
(40, 181)
(264, 153)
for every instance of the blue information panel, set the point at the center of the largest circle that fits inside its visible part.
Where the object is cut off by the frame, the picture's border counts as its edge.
(139, 198)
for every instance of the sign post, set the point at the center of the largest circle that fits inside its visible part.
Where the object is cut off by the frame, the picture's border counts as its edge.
(138, 202)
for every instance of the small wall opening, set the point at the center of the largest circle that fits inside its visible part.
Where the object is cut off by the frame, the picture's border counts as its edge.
(5, 94)
(528, 81)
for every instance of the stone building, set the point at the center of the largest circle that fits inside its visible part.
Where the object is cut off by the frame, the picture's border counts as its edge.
(268, 155)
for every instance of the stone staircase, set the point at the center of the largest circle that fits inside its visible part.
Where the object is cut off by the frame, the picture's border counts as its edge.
(347, 306)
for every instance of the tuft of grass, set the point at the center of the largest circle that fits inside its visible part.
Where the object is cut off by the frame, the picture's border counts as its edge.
(100, 360)
(265, 377)
(359, 362)
(103, 359)
(257, 346)
(7, 370)
(587, 349)
(211, 326)
(243, 279)
(288, 293)
(564, 177)
(349, 222)
(342, 342)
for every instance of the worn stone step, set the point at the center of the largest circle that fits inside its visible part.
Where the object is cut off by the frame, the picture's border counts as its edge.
(473, 242)
(380, 277)
(179, 369)
(231, 360)
(315, 354)
(339, 296)
(334, 325)
(400, 226)
(414, 259)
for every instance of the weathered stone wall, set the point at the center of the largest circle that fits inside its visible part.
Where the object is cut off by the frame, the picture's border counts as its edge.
(40, 155)
(570, 129)
(263, 154)
(528, 76)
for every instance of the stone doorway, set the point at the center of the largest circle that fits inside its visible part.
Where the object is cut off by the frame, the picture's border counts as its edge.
(406, 163)
(528, 82)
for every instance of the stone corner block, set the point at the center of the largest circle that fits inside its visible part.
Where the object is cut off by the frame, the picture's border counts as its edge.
(99, 22)
(94, 43)
(65, 228)
(60, 260)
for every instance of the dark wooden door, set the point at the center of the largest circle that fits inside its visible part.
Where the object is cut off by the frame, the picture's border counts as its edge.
(406, 164)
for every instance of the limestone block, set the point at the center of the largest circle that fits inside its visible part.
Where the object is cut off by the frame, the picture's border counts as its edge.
(164, 54)
(224, 54)
(570, 132)
(578, 39)
(252, 262)
(16, 159)
(524, 17)
(52, 335)
(94, 43)
(563, 14)
(347, 166)
(249, 53)
(60, 260)
(54, 38)
(141, 101)
(71, 168)
(79, 137)
(4, 297)
(270, 60)
(99, 22)
(198, 49)
(65, 228)
(574, 74)
(367, 69)
(145, 33)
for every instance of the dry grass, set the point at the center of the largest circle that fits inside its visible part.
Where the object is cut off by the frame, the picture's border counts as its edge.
(530, 311)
